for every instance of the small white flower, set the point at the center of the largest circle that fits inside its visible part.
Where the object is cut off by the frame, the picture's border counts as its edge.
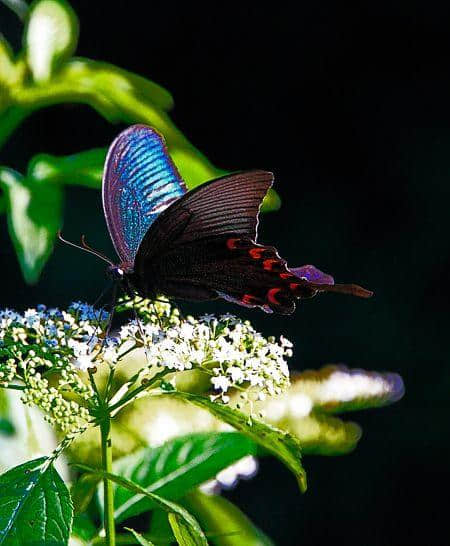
(221, 383)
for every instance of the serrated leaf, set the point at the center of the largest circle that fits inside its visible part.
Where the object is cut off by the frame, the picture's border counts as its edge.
(168, 506)
(34, 217)
(277, 442)
(141, 540)
(50, 36)
(224, 521)
(35, 505)
(176, 467)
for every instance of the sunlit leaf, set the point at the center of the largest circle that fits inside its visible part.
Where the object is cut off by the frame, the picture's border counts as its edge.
(50, 36)
(323, 434)
(34, 217)
(10, 71)
(224, 521)
(184, 534)
(35, 505)
(168, 506)
(176, 467)
(337, 389)
(279, 443)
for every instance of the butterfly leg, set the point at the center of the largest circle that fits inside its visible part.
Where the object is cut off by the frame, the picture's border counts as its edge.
(112, 310)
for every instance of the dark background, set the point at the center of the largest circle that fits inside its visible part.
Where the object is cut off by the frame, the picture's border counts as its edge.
(350, 108)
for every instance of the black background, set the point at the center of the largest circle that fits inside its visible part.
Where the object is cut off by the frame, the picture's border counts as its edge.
(349, 106)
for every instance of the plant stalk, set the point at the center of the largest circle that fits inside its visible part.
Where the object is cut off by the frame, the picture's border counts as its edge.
(108, 509)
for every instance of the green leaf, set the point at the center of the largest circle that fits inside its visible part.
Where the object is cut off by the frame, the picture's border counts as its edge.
(82, 492)
(277, 442)
(338, 389)
(224, 521)
(160, 529)
(6, 427)
(35, 505)
(34, 217)
(8, 72)
(184, 534)
(51, 36)
(82, 169)
(83, 527)
(168, 506)
(176, 467)
(141, 540)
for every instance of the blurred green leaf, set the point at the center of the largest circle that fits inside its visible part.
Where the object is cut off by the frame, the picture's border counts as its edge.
(50, 36)
(7, 68)
(224, 521)
(168, 506)
(140, 539)
(279, 443)
(323, 434)
(82, 169)
(82, 492)
(83, 527)
(176, 467)
(338, 389)
(6, 427)
(160, 529)
(34, 217)
(35, 505)
(19, 7)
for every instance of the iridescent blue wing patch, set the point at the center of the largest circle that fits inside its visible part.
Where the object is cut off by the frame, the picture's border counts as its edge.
(139, 182)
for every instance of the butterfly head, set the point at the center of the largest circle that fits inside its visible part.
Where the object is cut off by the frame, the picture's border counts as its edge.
(118, 273)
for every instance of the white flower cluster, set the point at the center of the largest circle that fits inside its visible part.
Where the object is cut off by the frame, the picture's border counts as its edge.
(43, 351)
(40, 352)
(232, 352)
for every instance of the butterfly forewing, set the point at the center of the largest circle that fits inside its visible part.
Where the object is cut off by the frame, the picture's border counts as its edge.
(227, 205)
(140, 181)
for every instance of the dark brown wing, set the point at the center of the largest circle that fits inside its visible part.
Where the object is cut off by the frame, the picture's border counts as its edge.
(203, 247)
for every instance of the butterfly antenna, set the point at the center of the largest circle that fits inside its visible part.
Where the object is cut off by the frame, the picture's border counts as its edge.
(90, 249)
(85, 248)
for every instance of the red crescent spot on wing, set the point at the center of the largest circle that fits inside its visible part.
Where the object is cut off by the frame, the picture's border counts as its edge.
(256, 253)
(272, 264)
(248, 299)
(232, 243)
(286, 276)
(271, 296)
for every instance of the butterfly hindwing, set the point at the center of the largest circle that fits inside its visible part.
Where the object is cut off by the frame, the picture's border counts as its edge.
(140, 181)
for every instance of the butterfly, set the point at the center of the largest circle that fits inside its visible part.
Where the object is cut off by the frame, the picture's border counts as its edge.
(196, 245)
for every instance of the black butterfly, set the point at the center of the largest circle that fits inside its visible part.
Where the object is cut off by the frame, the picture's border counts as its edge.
(198, 245)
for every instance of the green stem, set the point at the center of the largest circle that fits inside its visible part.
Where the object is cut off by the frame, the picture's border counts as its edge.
(130, 395)
(108, 521)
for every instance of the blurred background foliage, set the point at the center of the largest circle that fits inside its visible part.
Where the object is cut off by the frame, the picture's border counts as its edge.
(348, 105)
(45, 73)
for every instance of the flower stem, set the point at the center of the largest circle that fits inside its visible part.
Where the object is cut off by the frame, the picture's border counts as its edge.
(108, 521)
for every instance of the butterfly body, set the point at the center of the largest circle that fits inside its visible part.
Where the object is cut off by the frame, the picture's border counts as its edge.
(198, 245)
